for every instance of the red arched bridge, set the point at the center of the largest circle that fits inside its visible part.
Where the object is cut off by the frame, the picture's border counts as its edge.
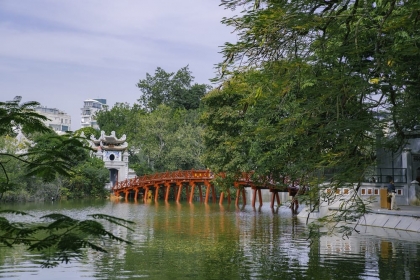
(170, 184)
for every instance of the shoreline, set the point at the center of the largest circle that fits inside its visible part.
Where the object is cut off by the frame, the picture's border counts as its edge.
(406, 219)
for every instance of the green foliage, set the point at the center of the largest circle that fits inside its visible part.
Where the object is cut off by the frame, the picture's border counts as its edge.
(15, 116)
(54, 154)
(51, 155)
(371, 46)
(307, 88)
(117, 119)
(12, 177)
(162, 131)
(172, 89)
(88, 180)
(172, 142)
(224, 123)
(52, 158)
(15, 163)
(61, 240)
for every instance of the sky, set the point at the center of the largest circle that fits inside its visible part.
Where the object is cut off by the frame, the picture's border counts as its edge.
(61, 53)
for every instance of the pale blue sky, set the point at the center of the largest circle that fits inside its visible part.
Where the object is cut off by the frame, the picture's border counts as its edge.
(63, 52)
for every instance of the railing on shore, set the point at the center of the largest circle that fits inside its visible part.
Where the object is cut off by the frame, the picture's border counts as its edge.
(376, 175)
(399, 175)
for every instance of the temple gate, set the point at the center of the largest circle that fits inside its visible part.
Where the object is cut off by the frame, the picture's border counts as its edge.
(113, 151)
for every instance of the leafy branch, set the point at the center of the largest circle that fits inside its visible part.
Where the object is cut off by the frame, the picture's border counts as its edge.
(63, 239)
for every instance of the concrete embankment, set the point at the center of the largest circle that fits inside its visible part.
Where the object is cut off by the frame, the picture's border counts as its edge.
(407, 218)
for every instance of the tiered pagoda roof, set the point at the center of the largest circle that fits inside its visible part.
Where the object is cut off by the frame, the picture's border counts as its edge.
(108, 142)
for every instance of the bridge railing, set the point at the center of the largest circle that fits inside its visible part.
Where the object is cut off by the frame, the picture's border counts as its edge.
(164, 177)
(184, 176)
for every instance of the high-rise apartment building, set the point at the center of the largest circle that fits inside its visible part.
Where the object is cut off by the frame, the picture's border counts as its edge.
(90, 107)
(59, 121)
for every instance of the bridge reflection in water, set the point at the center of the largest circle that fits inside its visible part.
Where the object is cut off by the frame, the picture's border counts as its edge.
(172, 183)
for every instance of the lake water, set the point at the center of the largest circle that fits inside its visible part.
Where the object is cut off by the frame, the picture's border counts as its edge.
(198, 241)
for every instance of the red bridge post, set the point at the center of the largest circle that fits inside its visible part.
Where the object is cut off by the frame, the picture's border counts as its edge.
(178, 196)
(168, 186)
(157, 186)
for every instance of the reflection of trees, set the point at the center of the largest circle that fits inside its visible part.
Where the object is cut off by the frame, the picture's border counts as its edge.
(10, 257)
(221, 242)
(360, 256)
(198, 241)
(333, 257)
(284, 253)
(398, 260)
(175, 239)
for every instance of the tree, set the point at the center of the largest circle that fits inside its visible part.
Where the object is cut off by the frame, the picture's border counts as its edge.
(172, 89)
(85, 176)
(162, 131)
(118, 118)
(324, 68)
(374, 41)
(12, 166)
(15, 116)
(226, 146)
(54, 154)
(172, 142)
(185, 145)
(88, 180)
(64, 238)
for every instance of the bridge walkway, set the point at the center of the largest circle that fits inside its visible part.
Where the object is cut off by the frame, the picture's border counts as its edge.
(153, 186)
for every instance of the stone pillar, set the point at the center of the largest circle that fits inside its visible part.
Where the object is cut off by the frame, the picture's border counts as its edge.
(125, 160)
(406, 162)
(414, 193)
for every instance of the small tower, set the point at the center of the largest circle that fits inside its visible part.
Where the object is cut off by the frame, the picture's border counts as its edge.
(113, 152)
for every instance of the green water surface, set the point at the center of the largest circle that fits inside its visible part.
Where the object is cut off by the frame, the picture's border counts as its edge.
(199, 241)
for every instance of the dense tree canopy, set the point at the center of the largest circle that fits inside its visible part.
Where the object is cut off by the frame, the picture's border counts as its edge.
(118, 118)
(172, 89)
(162, 131)
(310, 85)
(369, 44)
(171, 140)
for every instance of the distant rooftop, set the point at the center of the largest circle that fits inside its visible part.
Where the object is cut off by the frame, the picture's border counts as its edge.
(44, 109)
(103, 101)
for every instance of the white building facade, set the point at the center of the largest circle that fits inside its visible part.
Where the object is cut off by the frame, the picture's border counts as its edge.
(90, 107)
(58, 120)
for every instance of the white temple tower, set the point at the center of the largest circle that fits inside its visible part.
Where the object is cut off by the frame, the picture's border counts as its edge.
(113, 151)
